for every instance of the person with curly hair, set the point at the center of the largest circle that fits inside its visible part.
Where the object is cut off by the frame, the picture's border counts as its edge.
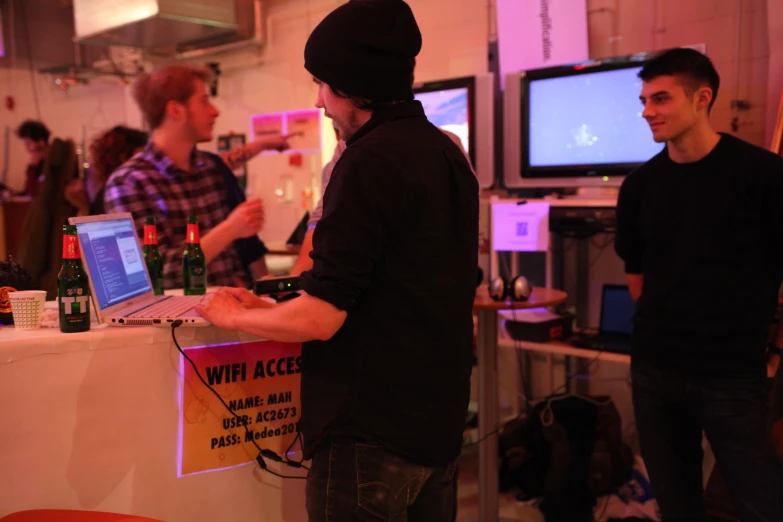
(108, 151)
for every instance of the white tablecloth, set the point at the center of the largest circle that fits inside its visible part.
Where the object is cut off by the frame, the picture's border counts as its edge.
(90, 421)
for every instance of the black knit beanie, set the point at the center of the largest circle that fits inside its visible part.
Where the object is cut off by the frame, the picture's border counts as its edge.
(366, 49)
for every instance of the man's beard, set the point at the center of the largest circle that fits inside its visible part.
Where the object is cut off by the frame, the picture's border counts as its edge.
(348, 127)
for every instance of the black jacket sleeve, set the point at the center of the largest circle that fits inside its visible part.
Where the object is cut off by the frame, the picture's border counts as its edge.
(362, 204)
(771, 167)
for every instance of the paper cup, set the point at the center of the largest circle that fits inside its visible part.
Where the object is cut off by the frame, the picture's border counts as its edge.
(27, 308)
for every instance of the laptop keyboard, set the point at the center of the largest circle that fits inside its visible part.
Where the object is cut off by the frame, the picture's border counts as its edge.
(168, 308)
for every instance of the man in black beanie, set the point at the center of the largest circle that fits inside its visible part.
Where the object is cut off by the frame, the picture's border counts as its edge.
(384, 401)
(386, 312)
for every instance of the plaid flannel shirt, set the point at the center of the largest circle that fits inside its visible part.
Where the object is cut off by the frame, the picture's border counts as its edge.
(149, 184)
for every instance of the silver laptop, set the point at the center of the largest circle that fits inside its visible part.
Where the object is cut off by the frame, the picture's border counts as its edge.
(122, 292)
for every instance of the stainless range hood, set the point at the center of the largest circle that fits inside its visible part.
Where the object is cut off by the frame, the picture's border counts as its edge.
(150, 24)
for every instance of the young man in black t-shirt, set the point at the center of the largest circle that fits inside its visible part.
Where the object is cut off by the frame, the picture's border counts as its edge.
(700, 229)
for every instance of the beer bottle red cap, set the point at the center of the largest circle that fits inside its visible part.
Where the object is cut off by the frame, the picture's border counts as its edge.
(70, 243)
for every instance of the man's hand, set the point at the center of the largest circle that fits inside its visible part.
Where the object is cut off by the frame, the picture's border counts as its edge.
(278, 143)
(235, 158)
(246, 219)
(246, 298)
(221, 309)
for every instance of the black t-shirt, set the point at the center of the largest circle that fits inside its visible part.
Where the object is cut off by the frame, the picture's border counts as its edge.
(708, 238)
(397, 248)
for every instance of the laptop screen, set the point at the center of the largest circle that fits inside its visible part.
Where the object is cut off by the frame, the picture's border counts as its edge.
(617, 309)
(297, 236)
(114, 260)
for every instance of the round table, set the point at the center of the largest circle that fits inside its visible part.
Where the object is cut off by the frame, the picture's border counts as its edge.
(487, 347)
(538, 298)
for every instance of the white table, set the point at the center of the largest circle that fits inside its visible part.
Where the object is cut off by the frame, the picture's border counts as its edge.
(90, 421)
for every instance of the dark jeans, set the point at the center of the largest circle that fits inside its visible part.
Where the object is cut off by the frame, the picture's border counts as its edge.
(672, 410)
(352, 481)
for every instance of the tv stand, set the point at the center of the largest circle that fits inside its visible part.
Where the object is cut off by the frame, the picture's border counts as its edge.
(597, 193)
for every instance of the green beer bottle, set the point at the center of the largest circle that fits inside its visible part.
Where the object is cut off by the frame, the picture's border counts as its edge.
(152, 255)
(194, 264)
(73, 297)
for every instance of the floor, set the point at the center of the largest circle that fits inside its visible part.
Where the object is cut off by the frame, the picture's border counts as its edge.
(509, 508)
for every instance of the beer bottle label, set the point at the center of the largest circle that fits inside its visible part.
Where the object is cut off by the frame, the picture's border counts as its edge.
(197, 277)
(71, 247)
(150, 235)
(74, 305)
(193, 235)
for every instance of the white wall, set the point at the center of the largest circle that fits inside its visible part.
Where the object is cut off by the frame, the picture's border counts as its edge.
(735, 32)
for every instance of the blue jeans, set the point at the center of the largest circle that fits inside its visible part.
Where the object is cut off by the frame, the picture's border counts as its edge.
(671, 412)
(353, 481)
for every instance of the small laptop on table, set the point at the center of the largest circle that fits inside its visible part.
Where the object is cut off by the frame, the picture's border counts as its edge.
(616, 326)
(121, 288)
(616, 323)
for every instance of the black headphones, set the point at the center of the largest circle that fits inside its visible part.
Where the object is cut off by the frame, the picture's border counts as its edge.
(518, 289)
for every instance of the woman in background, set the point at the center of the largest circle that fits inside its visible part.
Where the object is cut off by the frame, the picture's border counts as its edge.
(107, 152)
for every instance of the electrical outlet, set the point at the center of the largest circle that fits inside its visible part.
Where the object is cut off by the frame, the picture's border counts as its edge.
(740, 105)
(736, 123)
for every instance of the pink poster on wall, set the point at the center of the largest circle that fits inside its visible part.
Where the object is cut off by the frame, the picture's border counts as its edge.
(266, 125)
(540, 33)
(303, 128)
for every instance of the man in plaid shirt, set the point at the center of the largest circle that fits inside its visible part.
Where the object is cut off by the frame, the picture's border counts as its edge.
(171, 180)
